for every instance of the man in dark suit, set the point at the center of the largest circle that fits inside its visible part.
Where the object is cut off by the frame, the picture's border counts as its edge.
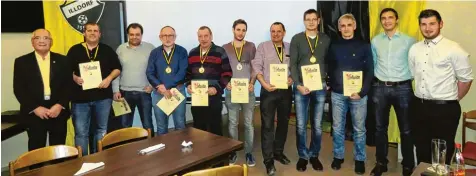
(41, 83)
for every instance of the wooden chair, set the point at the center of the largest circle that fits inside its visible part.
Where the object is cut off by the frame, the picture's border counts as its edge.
(233, 170)
(44, 154)
(469, 147)
(123, 135)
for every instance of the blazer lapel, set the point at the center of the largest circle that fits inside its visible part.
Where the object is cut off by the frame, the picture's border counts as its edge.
(53, 68)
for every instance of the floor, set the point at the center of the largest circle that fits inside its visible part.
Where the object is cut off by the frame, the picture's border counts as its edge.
(325, 157)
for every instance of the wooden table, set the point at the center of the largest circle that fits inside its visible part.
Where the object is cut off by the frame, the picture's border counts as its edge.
(423, 166)
(207, 149)
(11, 124)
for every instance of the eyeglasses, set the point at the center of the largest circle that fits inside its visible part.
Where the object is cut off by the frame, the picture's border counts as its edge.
(310, 20)
(167, 36)
(39, 38)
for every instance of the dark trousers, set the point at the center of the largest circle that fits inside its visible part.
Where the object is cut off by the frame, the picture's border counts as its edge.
(208, 118)
(278, 101)
(433, 120)
(38, 129)
(400, 97)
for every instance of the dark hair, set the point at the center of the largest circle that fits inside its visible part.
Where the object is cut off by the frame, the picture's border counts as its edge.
(135, 25)
(279, 23)
(429, 13)
(90, 23)
(240, 21)
(206, 27)
(389, 10)
(310, 11)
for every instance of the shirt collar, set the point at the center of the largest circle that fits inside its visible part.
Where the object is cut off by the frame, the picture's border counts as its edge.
(397, 33)
(129, 46)
(435, 41)
(38, 56)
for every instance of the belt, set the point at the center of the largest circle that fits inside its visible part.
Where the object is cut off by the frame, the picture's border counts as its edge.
(427, 101)
(389, 83)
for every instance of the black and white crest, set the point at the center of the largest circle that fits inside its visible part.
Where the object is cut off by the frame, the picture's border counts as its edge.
(79, 12)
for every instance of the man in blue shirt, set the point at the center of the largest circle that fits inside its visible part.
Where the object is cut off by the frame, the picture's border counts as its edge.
(166, 70)
(392, 85)
(354, 56)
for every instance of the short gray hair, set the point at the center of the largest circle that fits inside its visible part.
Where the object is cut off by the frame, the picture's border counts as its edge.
(347, 16)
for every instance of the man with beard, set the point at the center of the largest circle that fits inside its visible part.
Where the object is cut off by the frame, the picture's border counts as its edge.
(443, 75)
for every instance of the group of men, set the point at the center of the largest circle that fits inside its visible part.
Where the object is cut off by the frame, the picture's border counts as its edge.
(143, 75)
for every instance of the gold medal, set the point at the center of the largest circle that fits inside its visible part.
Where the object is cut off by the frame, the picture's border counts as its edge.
(239, 66)
(313, 59)
(168, 70)
(201, 70)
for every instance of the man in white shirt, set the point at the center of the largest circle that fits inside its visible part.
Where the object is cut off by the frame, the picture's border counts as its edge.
(443, 76)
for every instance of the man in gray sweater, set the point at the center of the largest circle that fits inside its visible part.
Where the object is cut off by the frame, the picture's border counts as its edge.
(308, 48)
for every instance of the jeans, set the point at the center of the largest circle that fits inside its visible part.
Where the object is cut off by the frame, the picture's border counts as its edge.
(275, 104)
(398, 96)
(233, 118)
(143, 101)
(358, 110)
(82, 117)
(303, 103)
(162, 119)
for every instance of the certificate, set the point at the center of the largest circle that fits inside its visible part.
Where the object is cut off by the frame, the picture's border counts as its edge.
(169, 105)
(239, 90)
(311, 77)
(279, 76)
(352, 82)
(200, 93)
(91, 74)
(120, 107)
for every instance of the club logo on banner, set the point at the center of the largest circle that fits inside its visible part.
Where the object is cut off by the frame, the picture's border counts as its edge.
(79, 12)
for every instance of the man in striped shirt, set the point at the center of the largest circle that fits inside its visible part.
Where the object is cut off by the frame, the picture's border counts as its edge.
(208, 62)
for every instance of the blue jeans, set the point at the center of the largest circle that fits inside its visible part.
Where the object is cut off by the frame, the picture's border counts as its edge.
(162, 119)
(358, 110)
(233, 118)
(82, 118)
(143, 102)
(303, 103)
(398, 96)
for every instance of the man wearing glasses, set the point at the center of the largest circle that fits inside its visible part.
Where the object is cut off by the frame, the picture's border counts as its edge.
(166, 70)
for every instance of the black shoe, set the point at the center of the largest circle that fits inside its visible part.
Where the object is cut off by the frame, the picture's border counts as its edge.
(407, 171)
(336, 163)
(301, 165)
(282, 159)
(316, 164)
(359, 167)
(379, 169)
(270, 169)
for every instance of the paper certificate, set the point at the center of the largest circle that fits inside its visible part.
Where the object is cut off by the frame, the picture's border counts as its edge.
(352, 82)
(200, 93)
(279, 75)
(169, 105)
(239, 90)
(120, 107)
(311, 77)
(91, 74)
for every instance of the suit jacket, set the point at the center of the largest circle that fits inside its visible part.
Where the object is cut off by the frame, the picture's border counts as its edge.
(28, 84)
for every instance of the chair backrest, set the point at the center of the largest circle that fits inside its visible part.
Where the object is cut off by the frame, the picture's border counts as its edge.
(44, 154)
(468, 124)
(233, 170)
(122, 135)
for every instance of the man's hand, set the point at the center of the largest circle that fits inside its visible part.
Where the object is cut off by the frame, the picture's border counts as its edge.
(303, 90)
(251, 87)
(161, 89)
(228, 86)
(105, 83)
(290, 81)
(167, 94)
(78, 80)
(41, 112)
(355, 96)
(212, 91)
(269, 87)
(189, 89)
(148, 89)
(54, 111)
(117, 96)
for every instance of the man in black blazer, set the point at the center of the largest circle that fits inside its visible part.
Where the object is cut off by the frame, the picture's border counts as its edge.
(41, 83)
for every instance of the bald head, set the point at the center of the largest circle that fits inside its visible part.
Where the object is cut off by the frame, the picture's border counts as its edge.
(167, 36)
(41, 41)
